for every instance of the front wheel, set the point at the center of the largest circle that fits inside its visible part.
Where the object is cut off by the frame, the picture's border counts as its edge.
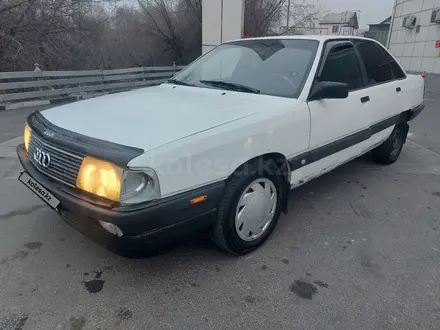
(249, 208)
(389, 151)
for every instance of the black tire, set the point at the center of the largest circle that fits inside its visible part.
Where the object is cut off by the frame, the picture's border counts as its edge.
(224, 234)
(389, 151)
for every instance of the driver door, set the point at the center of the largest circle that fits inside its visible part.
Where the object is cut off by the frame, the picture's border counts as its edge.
(334, 122)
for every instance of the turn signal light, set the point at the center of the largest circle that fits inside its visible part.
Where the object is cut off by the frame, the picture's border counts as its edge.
(27, 136)
(198, 199)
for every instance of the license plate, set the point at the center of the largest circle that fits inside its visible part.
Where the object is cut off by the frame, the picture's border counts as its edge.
(39, 190)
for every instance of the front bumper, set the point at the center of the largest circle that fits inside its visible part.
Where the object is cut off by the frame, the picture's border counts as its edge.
(149, 227)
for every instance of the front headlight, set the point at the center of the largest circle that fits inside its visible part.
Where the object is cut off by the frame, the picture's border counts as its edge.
(112, 182)
(139, 186)
(100, 178)
(27, 136)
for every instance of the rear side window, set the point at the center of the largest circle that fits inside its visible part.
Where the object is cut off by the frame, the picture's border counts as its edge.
(397, 71)
(379, 64)
(342, 65)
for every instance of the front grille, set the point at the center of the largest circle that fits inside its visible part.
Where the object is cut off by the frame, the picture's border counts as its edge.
(64, 165)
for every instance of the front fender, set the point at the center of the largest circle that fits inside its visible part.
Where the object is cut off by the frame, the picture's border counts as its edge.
(215, 154)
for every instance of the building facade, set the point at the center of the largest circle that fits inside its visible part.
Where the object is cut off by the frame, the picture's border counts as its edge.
(379, 31)
(345, 23)
(414, 37)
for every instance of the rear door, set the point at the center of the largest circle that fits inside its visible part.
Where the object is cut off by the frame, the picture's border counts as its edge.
(384, 81)
(333, 120)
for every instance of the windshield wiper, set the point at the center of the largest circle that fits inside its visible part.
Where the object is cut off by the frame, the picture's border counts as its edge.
(230, 86)
(178, 82)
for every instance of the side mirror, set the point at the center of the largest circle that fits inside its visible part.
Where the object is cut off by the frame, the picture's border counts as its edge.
(328, 90)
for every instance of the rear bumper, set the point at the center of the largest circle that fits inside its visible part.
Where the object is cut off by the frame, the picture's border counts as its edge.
(414, 112)
(148, 227)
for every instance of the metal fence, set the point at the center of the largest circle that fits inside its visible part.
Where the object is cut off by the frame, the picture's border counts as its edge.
(25, 86)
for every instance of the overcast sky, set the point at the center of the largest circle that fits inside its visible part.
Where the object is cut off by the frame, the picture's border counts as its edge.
(372, 11)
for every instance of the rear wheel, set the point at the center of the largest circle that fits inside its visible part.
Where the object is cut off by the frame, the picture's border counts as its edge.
(249, 208)
(389, 151)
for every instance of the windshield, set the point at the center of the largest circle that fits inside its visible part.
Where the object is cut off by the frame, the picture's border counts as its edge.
(269, 66)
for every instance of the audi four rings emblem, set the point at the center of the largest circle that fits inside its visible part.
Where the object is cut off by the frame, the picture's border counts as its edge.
(42, 158)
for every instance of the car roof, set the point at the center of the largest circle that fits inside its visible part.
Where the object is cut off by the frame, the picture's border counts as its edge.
(320, 38)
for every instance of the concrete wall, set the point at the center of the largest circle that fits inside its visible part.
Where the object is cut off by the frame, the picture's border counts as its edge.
(222, 21)
(415, 50)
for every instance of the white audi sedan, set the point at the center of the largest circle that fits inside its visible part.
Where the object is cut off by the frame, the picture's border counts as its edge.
(216, 150)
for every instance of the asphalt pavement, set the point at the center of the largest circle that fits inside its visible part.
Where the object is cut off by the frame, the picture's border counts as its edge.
(12, 121)
(359, 249)
(426, 129)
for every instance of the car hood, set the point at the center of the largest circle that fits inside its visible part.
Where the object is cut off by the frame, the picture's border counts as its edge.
(148, 118)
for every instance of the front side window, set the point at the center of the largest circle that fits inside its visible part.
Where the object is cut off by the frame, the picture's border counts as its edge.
(268, 66)
(342, 65)
(380, 66)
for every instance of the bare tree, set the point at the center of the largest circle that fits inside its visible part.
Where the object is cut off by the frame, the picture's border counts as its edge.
(47, 31)
(108, 34)
(177, 24)
(303, 17)
(261, 17)
(268, 17)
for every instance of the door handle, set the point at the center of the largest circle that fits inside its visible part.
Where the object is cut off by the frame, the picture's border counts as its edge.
(365, 99)
(398, 89)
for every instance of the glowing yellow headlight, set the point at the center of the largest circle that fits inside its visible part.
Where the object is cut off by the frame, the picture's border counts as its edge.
(100, 178)
(27, 136)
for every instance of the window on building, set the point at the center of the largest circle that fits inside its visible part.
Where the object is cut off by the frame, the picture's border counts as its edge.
(379, 64)
(342, 65)
(335, 29)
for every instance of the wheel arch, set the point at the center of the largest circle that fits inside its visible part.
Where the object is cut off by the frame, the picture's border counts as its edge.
(283, 166)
